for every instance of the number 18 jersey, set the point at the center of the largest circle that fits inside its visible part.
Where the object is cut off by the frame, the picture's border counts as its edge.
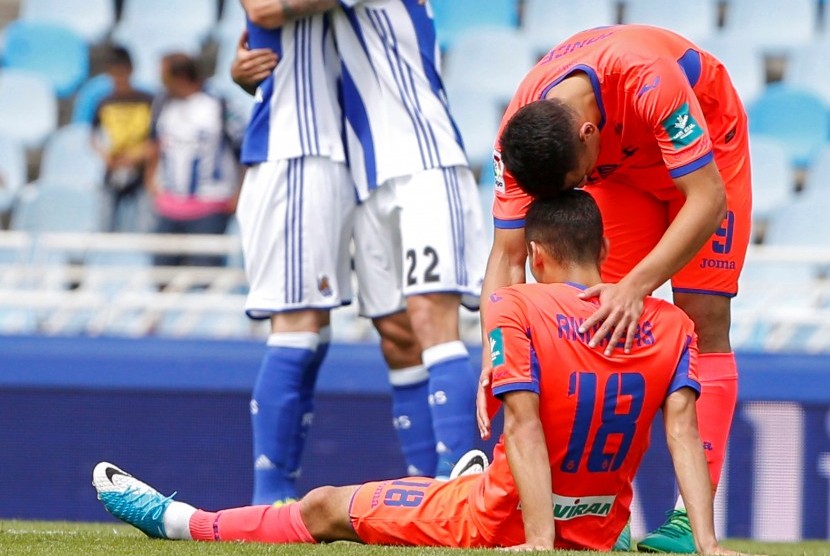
(596, 410)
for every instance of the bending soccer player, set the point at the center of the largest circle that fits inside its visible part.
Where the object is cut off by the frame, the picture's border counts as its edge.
(652, 127)
(577, 423)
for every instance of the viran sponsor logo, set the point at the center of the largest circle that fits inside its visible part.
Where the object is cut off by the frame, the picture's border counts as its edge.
(566, 508)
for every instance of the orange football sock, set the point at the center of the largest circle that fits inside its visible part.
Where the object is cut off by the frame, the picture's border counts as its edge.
(252, 524)
(718, 375)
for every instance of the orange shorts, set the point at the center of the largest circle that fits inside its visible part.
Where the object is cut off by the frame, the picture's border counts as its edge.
(417, 511)
(635, 220)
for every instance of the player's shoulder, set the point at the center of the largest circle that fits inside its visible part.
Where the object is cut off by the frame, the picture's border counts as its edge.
(664, 311)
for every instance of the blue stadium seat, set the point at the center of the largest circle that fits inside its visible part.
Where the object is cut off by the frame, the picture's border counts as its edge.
(745, 64)
(69, 159)
(808, 67)
(477, 116)
(89, 96)
(547, 22)
(694, 20)
(474, 62)
(796, 117)
(12, 171)
(231, 22)
(772, 176)
(54, 51)
(818, 173)
(57, 208)
(91, 19)
(189, 20)
(28, 106)
(454, 17)
(148, 46)
(772, 25)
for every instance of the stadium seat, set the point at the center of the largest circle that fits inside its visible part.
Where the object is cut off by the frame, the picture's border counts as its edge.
(148, 46)
(694, 20)
(497, 73)
(54, 51)
(796, 117)
(818, 173)
(89, 95)
(69, 159)
(809, 67)
(189, 20)
(28, 107)
(772, 176)
(547, 22)
(746, 65)
(12, 171)
(91, 19)
(57, 208)
(231, 22)
(454, 17)
(771, 25)
(477, 116)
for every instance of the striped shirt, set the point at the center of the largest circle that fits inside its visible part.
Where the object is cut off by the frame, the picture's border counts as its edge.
(397, 117)
(296, 112)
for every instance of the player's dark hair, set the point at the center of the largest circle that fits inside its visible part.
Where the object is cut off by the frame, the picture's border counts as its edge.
(182, 65)
(118, 56)
(540, 145)
(568, 225)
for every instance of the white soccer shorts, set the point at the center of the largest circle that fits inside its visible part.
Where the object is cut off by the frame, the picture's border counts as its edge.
(295, 219)
(420, 234)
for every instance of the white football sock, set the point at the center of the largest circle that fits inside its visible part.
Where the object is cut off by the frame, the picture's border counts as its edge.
(176, 520)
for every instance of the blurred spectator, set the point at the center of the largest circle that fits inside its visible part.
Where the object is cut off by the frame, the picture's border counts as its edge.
(193, 176)
(122, 129)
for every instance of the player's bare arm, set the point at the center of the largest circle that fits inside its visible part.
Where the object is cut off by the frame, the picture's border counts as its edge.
(251, 66)
(690, 467)
(271, 14)
(621, 304)
(505, 267)
(527, 455)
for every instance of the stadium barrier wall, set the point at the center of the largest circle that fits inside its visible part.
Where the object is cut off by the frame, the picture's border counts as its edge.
(175, 413)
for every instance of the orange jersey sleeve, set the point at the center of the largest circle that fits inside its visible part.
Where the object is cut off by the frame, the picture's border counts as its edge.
(512, 356)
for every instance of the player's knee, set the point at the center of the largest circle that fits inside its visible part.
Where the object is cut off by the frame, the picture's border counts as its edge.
(434, 317)
(398, 343)
(325, 513)
(711, 315)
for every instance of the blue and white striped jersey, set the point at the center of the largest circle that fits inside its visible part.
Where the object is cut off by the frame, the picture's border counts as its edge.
(397, 118)
(296, 111)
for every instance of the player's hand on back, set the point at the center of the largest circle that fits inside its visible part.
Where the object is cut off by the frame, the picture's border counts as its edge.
(251, 66)
(620, 307)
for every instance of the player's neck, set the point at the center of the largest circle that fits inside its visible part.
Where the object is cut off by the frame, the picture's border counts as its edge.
(577, 92)
(576, 275)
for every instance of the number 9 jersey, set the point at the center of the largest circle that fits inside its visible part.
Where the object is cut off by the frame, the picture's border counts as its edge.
(596, 410)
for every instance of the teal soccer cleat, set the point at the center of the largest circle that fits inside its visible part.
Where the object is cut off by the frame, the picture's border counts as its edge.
(131, 500)
(623, 543)
(675, 535)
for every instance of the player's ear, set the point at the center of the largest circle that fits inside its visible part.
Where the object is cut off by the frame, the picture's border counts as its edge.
(535, 253)
(587, 131)
(604, 249)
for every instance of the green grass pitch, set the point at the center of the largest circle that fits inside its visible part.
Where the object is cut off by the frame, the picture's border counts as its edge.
(93, 539)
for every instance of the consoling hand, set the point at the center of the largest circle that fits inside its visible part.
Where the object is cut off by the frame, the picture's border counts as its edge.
(251, 66)
(620, 307)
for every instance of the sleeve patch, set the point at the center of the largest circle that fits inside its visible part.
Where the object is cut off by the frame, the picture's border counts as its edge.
(681, 127)
(496, 347)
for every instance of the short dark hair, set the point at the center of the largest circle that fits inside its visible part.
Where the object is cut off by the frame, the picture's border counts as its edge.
(182, 65)
(568, 225)
(540, 145)
(119, 56)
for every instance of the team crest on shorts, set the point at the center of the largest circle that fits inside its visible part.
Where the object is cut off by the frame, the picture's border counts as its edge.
(324, 285)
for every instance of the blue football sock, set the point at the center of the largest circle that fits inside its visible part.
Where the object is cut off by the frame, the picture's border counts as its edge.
(276, 413)
(307, 386)
(452, 395)
(413, 419)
